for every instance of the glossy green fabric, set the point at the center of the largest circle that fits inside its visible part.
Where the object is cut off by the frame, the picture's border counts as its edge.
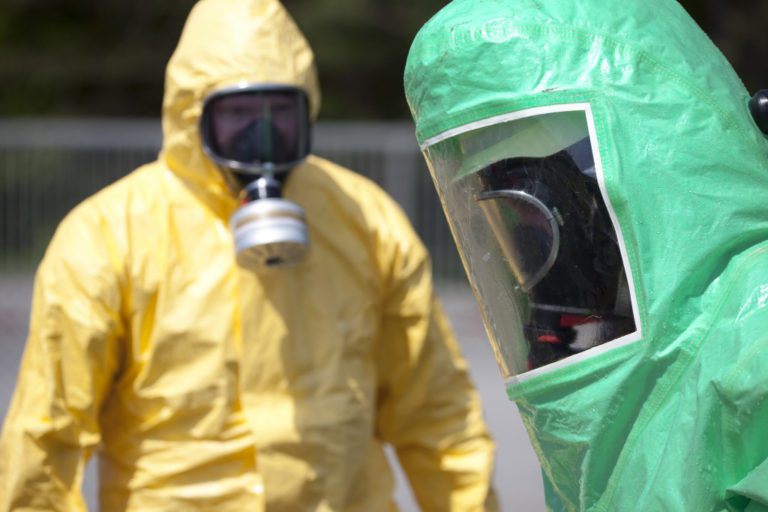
(679, 420)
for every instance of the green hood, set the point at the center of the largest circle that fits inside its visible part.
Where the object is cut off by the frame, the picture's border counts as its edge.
(678, 420)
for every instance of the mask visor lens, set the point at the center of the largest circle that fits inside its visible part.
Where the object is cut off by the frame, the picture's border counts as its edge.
(257, 127)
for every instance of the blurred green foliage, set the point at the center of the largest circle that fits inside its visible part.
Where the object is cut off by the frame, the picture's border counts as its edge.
(107, 57)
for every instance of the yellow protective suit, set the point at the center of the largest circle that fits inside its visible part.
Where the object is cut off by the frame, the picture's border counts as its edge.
(204, 386)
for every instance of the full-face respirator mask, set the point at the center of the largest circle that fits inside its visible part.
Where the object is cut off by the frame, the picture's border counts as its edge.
(256, 135)
(559, 243)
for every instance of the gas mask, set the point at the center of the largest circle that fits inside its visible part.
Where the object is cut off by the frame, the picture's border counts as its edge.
(256, 134)
(559, 243)
(536, 236)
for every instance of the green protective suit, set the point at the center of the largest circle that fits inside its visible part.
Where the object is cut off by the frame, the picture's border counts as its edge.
(205, 386)
(677, 421)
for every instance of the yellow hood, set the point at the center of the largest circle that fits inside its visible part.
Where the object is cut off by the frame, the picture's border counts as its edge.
(226, 42)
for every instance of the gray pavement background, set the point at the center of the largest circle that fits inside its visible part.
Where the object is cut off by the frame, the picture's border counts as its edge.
(517, 475)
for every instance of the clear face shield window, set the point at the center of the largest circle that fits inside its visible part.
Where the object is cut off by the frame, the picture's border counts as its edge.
(536, 236)
(257, 129)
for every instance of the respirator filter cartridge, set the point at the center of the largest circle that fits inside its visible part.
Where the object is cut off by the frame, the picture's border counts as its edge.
(269, 232)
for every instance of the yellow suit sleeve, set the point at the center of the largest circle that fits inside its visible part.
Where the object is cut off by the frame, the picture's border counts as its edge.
(52, 425)
(428, 407)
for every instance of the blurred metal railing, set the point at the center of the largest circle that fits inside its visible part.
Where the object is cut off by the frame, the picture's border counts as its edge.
(47, 166)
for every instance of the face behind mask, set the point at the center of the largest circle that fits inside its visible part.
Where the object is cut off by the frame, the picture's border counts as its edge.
(259, 141)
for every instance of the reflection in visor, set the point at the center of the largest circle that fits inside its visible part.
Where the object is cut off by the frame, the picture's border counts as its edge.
(257, 128)
(526, 230)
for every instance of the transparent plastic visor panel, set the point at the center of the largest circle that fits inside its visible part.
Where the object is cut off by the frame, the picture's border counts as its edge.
(256, 128)
(523, 196)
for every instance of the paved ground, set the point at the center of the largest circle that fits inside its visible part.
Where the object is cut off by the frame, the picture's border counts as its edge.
(517, 477)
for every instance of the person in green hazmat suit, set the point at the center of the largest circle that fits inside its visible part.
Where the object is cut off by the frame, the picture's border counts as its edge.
(605, 174)
(241, 325)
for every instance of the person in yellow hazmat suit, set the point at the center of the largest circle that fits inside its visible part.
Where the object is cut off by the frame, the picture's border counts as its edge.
(241, 325)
